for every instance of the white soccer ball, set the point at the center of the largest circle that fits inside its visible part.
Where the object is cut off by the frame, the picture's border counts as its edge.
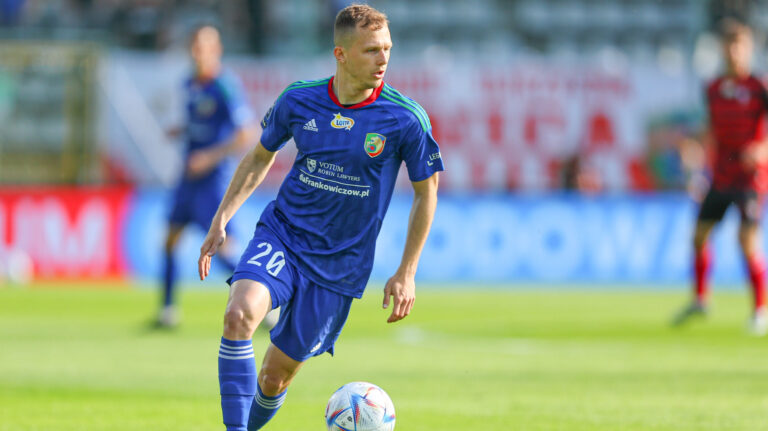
(360, 406)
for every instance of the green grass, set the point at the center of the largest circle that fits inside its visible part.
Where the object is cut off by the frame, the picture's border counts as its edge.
(466, 359)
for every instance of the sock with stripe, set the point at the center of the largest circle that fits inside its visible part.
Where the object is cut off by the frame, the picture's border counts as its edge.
(237, 382)
(264, 408)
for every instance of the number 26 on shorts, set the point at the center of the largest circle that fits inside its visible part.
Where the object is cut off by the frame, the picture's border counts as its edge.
(275, 263)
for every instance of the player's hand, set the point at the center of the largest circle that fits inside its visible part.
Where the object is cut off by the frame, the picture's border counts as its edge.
(213, 240)
(403, 290)
(753, 156)
(174, 132)
(201, 162)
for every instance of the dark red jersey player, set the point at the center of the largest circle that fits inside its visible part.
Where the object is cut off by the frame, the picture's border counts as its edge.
(737, 107)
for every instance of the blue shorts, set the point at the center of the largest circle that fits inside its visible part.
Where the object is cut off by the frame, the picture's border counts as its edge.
(311, 317)
(196, 203)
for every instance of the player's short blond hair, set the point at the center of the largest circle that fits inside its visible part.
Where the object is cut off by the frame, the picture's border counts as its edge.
(732, 29)
(357, 16)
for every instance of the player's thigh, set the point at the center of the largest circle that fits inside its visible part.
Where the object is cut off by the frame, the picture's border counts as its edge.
(311, 322)
(701, 232)
(266, 260)
(249, 301)
(173, 235)
(714, 205)
(711, 212)
(749, 237)
(750, 204)
(277, 370)
(182, 205)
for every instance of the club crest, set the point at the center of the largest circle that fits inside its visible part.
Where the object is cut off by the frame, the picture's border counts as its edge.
(311, 165)
(340, 122)
(374, 144)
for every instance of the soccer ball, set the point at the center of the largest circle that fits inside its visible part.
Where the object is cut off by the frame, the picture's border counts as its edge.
(360, 406)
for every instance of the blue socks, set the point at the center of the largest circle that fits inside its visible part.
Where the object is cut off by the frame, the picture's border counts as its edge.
(169, 279)
(237, 382)
(264, 408)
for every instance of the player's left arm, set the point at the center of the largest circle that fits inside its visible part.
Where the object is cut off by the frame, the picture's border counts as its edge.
(757, 152)
(240, 117)
(203, 161)
(401, 287)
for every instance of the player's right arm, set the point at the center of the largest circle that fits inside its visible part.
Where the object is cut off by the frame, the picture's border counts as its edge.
(248, 175)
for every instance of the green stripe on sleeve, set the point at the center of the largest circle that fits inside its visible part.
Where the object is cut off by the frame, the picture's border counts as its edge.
(408, 107)
(418, 110)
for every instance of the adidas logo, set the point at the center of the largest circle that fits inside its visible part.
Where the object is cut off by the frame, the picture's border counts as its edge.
(311, 125)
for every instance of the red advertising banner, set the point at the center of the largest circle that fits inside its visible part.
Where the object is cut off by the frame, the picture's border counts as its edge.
(67, 232)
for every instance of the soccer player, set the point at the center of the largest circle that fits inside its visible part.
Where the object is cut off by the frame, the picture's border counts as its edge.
(312, 250)
(219, 125)
(737, 103)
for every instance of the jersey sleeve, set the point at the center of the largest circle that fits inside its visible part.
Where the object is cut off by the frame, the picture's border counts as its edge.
(276, 125)
(420, 152)
(238, 109)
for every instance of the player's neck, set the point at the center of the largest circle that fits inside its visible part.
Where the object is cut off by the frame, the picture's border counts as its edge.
(346, 90)
(207, 74)
(737, 73)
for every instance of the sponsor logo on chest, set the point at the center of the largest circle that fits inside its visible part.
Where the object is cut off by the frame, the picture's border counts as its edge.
(204, 106)
(731, 90)
(341, 122)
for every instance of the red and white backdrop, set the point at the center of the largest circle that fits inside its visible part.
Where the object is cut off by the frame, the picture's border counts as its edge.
(501, 126)
(511, 127)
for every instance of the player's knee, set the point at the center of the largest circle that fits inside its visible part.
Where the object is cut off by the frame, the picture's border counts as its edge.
(272, 383)
(699, 240)
(170, 242)
(749, 243)
(239, 322)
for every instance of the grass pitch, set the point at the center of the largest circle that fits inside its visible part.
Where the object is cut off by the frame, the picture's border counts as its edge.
(466, 359)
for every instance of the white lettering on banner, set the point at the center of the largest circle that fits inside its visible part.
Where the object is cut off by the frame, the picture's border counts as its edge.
(553, 244)
(560, 240)
(44, 230)
(623, 239)
(495, 243)
(320, 184)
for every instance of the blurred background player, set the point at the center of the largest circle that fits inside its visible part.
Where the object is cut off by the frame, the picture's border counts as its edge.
(219, 127)
(312, 251)
(737, 104)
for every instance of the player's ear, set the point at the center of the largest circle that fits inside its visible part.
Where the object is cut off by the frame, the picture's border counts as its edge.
(338, 52)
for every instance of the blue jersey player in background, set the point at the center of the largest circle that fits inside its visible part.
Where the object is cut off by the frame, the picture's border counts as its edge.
(312, 249)
(219, 124)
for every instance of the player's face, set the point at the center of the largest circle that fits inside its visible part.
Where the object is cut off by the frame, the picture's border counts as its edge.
(738, 54)
(206, 51)
(367, 56)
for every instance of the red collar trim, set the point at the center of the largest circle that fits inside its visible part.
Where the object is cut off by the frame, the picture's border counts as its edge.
(372, 98)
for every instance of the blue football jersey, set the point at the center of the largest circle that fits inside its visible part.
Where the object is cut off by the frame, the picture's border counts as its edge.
(215, 110)
(330, 207)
